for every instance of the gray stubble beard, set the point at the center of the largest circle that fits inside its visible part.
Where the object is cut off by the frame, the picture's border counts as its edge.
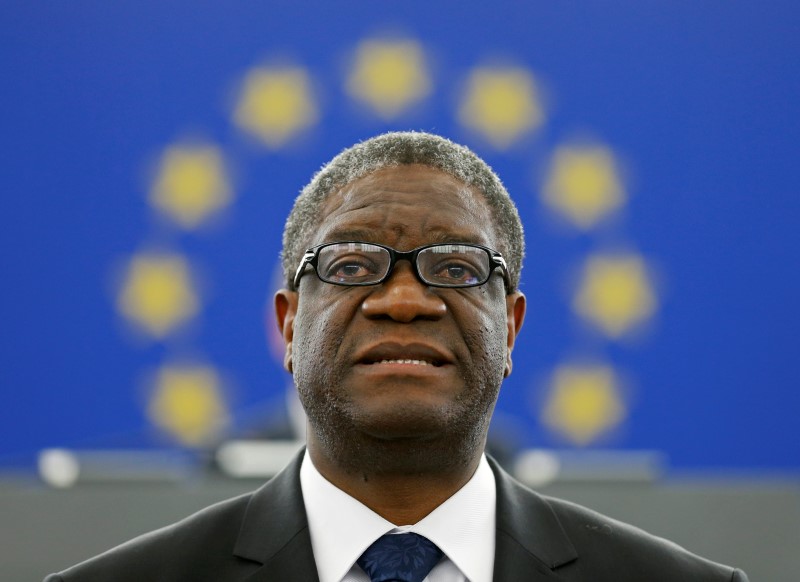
(342, 442)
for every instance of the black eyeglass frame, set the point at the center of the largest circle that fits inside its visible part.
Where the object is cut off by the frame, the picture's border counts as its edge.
(311, 257)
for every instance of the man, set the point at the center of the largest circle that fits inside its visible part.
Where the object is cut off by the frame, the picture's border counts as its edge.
(400, 312)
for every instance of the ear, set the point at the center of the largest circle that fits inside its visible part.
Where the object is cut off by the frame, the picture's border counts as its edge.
(285, 310)
(515, 314)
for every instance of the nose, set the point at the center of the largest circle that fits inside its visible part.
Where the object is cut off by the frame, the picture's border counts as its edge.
(403, 297)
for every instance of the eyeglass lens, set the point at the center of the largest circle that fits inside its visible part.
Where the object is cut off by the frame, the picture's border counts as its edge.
(363, 263)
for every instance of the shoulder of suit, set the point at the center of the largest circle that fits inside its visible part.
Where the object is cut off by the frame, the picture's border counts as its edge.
(621, 549)
(151, 555)
(216, 543)
(578, 543)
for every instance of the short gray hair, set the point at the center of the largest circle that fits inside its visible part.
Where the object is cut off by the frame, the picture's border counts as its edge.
(395, 149)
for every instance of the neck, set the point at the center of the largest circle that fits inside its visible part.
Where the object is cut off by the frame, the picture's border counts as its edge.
(403, 490)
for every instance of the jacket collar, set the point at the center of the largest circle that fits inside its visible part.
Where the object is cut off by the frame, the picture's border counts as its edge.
(530, 541)
(274, 530)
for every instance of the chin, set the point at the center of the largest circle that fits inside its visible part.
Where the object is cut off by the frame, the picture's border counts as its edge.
(423, 420)
(393, 429)
(412, 440)
(385, 433)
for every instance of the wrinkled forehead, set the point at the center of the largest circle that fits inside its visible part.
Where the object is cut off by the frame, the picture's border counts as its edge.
(408, 178)
(409, 198)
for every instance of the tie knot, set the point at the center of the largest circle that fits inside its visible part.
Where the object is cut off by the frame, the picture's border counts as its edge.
(400, 558)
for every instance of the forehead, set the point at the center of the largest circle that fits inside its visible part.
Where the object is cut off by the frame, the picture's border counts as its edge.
(411, 204)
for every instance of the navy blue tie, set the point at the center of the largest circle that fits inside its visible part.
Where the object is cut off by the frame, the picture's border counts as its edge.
(400, 558)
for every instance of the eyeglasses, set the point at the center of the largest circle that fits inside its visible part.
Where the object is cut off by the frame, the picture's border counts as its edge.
(439, 265)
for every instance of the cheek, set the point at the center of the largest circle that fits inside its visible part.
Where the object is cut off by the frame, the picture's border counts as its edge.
(317, 337)
(486, 340)
(495, 331)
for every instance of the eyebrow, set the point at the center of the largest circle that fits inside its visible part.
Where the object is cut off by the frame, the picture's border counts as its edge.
(345, 234)
(437, 235)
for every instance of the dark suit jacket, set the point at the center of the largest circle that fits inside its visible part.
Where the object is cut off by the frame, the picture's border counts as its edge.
(263, 537)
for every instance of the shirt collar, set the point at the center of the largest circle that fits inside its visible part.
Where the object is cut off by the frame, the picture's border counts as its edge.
(341, 527)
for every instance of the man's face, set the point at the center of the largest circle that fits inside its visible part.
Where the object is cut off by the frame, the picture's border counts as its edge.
(400, 361)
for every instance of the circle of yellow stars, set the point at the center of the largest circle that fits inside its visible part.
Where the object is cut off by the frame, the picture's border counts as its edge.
(389, 77)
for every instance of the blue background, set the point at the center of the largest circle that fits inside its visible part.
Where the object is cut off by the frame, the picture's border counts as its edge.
(700, 100)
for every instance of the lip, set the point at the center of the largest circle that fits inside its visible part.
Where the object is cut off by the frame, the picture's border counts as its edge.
(406, 355)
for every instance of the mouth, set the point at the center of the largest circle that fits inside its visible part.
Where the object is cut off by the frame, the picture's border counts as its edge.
(395, 354)
(406, 361)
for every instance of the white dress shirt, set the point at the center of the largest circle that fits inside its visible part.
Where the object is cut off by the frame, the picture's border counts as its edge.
(342, 527)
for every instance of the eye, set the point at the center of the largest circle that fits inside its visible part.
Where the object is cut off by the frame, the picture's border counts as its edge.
(454, 265)
(456, 272)
(350, 269)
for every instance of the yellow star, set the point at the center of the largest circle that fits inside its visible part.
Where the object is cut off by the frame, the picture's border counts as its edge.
(584, 402)
(276, 104)
(191, 184)
(501, 104)
(188, 403)
(615, 293)
(157, 293)
(389, 76)
(583, 184)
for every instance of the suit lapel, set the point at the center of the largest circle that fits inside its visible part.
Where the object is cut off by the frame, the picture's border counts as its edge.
(530, 542)
(275, 533)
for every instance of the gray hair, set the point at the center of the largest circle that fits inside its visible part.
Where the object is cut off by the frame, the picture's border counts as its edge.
(395, 149)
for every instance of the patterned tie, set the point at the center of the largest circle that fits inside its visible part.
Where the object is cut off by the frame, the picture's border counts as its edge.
(400, 558)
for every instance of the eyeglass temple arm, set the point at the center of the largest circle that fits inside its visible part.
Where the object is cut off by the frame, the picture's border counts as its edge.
(499, 261)
(308, 256)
